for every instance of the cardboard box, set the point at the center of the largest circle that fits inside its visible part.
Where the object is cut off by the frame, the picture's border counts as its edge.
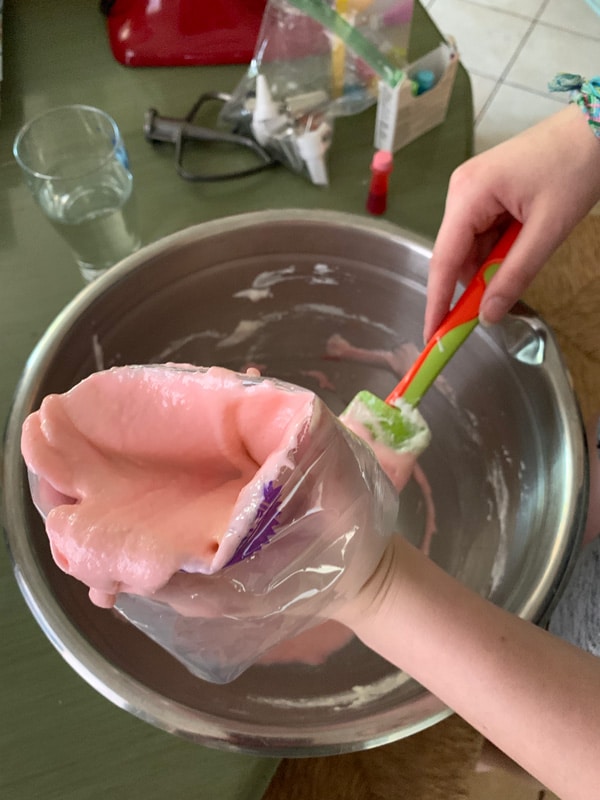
(403, 116)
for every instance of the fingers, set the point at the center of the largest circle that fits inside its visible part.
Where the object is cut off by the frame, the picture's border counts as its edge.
(442, 280)
(527, 177)
(469, 229)
(451, 251)
(536, 242)
(534, 245)
(460, 249)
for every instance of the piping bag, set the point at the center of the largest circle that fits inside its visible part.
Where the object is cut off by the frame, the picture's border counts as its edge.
(301, 511)
(395, 424)
(219, 512)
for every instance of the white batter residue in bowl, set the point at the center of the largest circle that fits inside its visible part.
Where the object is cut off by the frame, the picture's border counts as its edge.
(244, 330)
(495, 477)
(98, 352)
(177, 344)
(355, 697)
(262, 284)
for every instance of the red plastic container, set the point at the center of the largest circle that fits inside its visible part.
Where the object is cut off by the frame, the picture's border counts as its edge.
(179, 32)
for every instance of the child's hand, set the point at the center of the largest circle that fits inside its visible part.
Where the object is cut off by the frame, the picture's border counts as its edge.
(548, 178)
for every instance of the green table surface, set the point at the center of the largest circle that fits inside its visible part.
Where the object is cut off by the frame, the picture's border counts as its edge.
(59, 739)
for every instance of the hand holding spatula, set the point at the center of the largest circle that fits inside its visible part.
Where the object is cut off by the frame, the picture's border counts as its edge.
(396, 423)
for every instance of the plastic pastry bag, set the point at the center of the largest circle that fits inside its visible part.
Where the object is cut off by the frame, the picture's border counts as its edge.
(315, 60)
(219, 513)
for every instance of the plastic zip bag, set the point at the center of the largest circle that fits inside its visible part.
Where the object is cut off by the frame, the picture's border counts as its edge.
(316, 60)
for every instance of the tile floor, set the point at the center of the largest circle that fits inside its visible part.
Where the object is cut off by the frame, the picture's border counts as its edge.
(511, 49)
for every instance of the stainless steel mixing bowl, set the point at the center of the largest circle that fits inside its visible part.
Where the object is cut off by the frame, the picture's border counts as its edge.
(506, 466)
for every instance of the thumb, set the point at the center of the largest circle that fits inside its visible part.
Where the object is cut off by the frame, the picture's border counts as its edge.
(537, 240)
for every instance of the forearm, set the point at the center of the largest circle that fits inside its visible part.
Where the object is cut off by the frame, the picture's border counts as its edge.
(533, 695)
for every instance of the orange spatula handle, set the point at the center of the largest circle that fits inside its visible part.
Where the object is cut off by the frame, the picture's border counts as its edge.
(455, 327)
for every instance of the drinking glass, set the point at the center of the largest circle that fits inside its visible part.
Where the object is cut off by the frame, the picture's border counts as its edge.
(76, 166)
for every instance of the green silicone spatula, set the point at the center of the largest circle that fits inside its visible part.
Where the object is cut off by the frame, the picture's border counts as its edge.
(396, 422)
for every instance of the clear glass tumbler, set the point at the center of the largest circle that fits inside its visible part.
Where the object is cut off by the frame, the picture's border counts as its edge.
(76, 166)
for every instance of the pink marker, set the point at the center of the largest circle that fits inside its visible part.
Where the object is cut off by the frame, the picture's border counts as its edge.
(381, 167)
